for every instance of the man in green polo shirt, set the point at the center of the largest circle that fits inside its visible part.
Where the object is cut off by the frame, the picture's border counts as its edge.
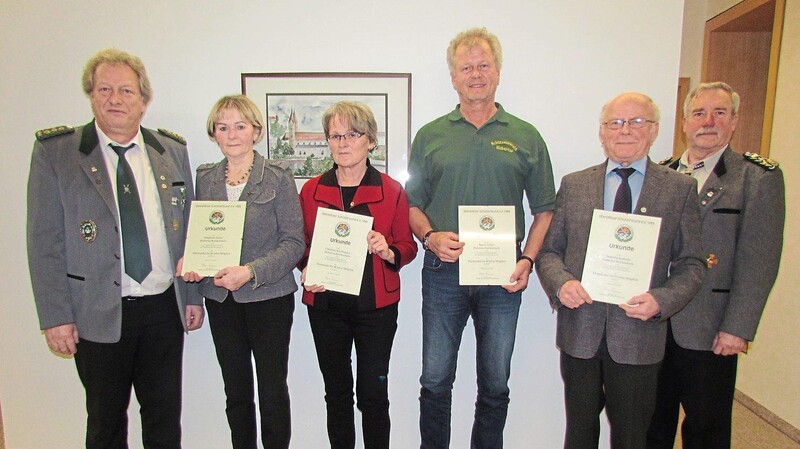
(477, 154)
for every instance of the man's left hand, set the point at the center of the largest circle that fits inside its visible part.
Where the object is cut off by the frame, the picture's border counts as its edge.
(520, 275)
(194, 317)
(728, 344)
(641, 307)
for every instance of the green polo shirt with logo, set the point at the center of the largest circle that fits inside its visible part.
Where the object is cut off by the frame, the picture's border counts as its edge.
(453, 163)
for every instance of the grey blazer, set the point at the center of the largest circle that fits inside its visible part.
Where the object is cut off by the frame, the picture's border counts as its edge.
(273, 238)
(677, 273)
(743, 209)
(73, 239)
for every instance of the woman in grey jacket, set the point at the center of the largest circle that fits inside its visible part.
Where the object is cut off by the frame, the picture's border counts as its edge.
(250, 306)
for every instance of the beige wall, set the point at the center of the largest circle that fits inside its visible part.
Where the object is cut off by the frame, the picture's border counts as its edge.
(695, 14)
(195, 51)
(768, 374)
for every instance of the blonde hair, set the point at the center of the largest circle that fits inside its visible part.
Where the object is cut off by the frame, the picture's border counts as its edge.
(470, 38)
(246, 109)
(113, 56)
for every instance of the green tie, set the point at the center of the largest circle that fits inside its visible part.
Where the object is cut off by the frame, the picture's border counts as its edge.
(134, 231)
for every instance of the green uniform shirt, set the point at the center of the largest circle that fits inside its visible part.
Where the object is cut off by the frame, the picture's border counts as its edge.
(453, 163)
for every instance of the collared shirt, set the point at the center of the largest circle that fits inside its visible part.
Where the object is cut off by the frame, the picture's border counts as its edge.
(636, 181)
(453, 163)
(162, 275)
(701, 174)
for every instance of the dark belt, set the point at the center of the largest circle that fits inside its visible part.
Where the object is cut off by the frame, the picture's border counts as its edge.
(168, 292)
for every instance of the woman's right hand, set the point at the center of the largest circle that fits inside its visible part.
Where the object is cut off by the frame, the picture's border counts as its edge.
(190, 276)
(310, 288)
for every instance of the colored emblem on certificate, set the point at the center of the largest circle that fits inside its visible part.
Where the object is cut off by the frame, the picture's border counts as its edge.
(620, 255)
(490, 244)
(214, 236)
(338, 251)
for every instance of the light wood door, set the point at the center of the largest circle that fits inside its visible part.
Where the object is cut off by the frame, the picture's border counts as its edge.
(741, 48)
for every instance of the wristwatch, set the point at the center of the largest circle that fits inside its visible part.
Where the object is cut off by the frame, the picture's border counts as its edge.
(426, 240)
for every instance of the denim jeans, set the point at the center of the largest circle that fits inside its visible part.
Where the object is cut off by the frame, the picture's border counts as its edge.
(446, 306)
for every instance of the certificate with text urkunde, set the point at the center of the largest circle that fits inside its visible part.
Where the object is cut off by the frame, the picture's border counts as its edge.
(620, 255)
(338, 251)
(214, 236)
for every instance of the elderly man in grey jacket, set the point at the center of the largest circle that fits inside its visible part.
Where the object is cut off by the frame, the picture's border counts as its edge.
(610, 354)
(742, 209)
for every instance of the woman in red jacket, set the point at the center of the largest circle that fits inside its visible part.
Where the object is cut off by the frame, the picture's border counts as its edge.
(338, 320)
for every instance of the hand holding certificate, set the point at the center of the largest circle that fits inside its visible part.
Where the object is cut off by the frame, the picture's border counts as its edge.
(338, 251)
(490, 245)
(620, 255)
(214, 236)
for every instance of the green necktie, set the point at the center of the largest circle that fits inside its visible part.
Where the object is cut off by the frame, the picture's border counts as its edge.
(134, 231)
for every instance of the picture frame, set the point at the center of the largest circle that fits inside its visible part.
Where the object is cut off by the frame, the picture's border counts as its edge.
(293, 104)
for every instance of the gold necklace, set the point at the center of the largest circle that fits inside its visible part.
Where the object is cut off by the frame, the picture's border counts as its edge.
(341, 194)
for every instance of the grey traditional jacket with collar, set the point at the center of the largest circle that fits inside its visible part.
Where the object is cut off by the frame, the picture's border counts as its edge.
(273, 238)
(743, 210)
(73, 238)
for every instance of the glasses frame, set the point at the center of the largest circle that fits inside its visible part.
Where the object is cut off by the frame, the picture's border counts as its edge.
(633, 123)
(347, 137)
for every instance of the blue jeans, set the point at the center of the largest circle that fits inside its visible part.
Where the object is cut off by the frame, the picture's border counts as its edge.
(446, 306)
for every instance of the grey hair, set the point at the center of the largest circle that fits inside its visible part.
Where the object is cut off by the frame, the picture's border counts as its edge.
(702, 87)
(358, 115)
(646, 98)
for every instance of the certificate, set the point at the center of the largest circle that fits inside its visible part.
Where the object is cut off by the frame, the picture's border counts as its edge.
(490, 244)
(338, 251)
(214, 236)
(620, 255)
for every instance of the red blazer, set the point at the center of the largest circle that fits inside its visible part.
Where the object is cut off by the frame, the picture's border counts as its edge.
(380, 197)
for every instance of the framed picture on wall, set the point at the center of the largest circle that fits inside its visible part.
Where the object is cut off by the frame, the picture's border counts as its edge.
(293, 104)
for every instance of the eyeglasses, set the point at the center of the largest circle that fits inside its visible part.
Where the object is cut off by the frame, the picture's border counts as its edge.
(349, 136)
(634, 123)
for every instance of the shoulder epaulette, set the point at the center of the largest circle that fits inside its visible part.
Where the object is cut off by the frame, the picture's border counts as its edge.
(206, 166)
(279, 164)
(762, 161)
(43, 134)
(666, 161)
(174, 136)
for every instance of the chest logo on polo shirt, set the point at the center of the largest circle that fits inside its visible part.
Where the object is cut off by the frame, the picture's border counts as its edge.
(504, 145)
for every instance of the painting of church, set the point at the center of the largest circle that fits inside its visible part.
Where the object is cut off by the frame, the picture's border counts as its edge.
(296, 135)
